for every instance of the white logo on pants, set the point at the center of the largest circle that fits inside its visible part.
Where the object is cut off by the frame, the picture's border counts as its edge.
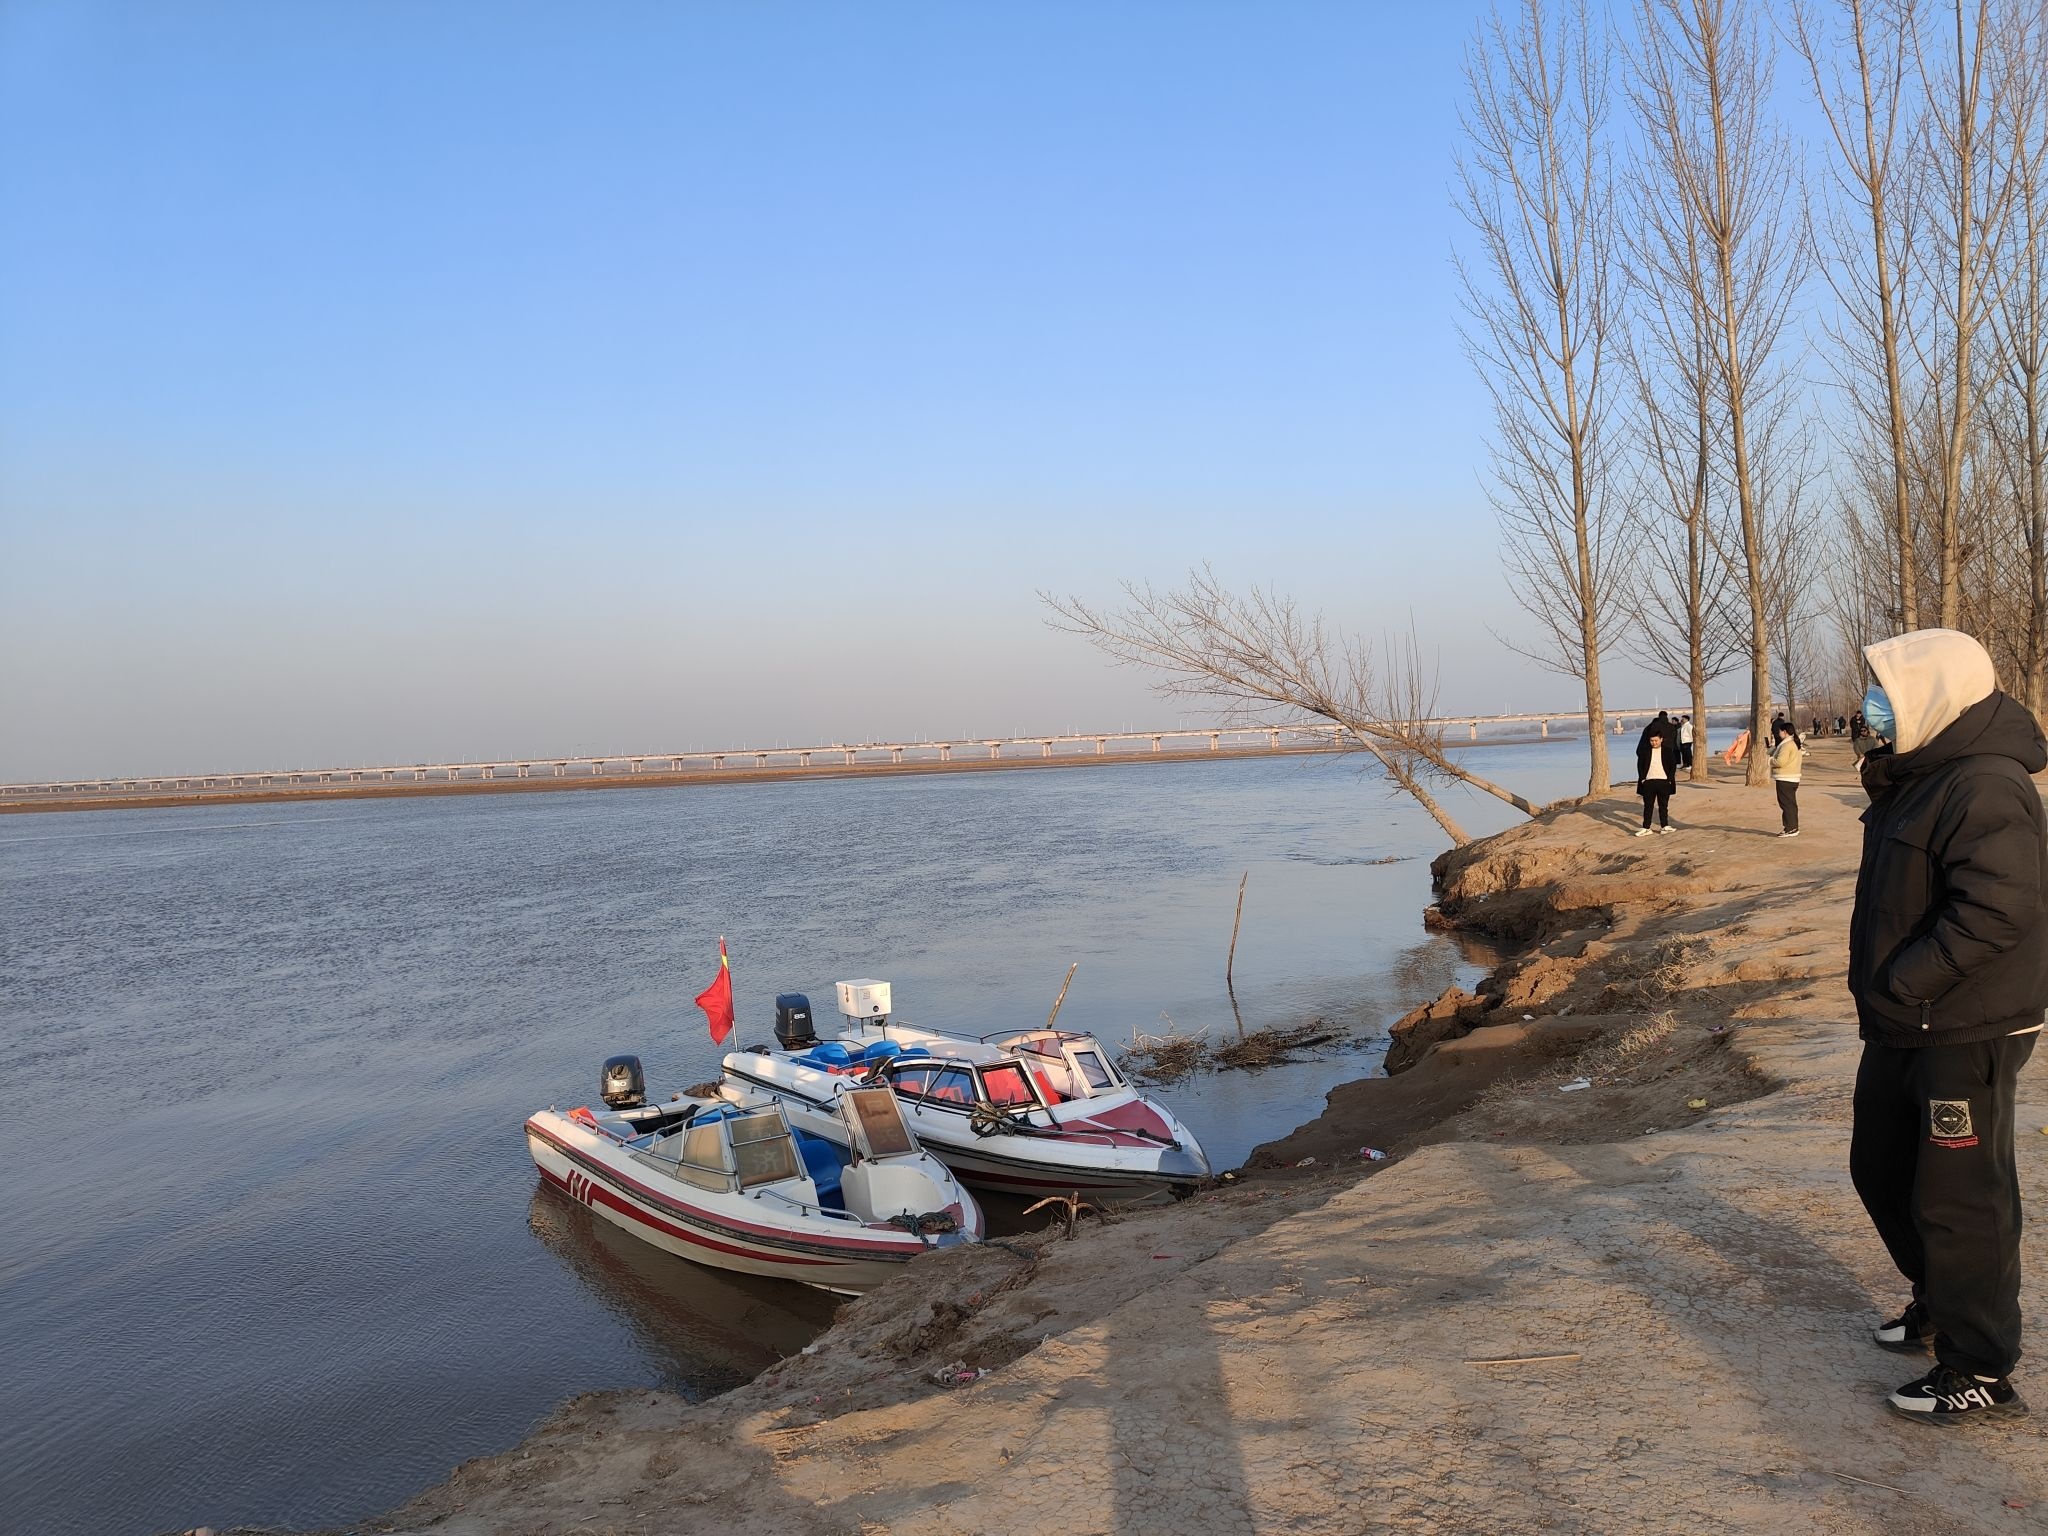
(1949, 1119)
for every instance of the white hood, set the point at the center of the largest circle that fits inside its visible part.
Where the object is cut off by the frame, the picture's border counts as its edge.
(1931, 676)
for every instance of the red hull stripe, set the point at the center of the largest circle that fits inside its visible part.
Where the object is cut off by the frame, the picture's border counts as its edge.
(862, 1247)
(600, 1195)
(1093, 1181)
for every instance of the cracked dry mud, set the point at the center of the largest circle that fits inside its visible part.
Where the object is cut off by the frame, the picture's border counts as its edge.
(1293, 1357)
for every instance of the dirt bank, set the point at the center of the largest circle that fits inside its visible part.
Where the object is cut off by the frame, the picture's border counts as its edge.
(1321, 1351)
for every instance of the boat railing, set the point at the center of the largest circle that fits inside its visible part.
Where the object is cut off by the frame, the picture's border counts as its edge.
(807, 1207)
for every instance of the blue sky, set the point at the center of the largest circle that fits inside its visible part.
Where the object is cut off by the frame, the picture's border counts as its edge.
(386, 381)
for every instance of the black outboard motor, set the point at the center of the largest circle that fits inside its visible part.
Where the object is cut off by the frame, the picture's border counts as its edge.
(793, 1022)
(622, 1083)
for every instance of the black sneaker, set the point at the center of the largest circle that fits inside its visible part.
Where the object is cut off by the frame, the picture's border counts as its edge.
(1948, 1396)
(1912, 1330)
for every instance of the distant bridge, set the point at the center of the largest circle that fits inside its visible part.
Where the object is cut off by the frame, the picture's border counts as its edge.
(755, 762)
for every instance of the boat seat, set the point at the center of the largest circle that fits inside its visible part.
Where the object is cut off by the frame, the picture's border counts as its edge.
(821, 1162)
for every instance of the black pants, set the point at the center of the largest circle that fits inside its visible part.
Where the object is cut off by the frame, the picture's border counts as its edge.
(1788, 802)
(1685, 754)
(1659, 796)
(1931, 1155)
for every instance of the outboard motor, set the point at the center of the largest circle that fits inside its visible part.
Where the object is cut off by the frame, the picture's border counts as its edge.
(622, 1083)
(793, 1029)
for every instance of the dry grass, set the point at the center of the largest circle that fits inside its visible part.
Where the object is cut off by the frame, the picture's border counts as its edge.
(1163, 1058)
(1648, 978)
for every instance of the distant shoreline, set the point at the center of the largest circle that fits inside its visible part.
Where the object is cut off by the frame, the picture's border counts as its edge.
(404, 788)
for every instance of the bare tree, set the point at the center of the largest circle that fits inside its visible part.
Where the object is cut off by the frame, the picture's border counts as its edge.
(1535, 185)
(2019, 330)
(1701, 86)
(1964, 87)
(1262, 659)
(1868, 115)
(1794, 546)
(1680, 585)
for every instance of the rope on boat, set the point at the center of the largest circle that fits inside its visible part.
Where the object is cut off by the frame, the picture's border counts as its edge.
(918, 1226)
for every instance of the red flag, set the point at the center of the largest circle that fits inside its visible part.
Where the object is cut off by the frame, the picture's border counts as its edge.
(716, 999)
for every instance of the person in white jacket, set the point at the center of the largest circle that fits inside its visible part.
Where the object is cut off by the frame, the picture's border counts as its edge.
(1787, 757)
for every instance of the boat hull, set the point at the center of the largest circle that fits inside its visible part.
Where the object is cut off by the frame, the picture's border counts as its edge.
(716, 1232)
(1029, 1166)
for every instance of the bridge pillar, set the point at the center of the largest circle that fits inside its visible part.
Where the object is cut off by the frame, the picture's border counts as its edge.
(453, 774)
(995, 750)
(1215, 741)
(895, 754)
(1546, 729)
(1618, 725)
(1155, 743)
(561, 770)
(489, 771)
(1045, 749)
(637, 764)
(945, 751)
(523, 771)
(1102, 746)
(760, 759)
(850, 755)
(717, 761)
(1272, 741)
(1475, 730)
(803, 759)
(417, 773)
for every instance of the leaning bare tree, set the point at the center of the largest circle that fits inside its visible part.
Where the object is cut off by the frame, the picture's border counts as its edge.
(1701, 88)
(1535, 184)
(1262, 659)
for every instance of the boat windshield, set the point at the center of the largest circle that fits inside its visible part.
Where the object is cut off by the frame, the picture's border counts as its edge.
(878, 1122)
(1097, 1071)
(934, 1080)
(763, 1149)
(1006, 1084)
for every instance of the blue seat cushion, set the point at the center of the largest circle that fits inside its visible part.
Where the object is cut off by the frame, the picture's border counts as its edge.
(821, 1162)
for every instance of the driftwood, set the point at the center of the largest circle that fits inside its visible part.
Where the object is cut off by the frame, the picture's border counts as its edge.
(1230, 961)
(1071, 1209)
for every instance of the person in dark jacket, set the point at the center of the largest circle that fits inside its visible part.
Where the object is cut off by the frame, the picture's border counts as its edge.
(1948, 963)
(1657, 772)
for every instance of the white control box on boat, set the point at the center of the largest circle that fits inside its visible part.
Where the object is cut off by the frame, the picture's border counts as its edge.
(865, 999)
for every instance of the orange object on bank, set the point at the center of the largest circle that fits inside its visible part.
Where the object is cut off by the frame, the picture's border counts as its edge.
(1738, 749)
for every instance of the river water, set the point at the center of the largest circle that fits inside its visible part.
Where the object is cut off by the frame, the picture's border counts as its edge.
(271, 1250)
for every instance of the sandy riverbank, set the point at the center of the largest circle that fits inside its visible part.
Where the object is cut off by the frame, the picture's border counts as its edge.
(1297, 1352)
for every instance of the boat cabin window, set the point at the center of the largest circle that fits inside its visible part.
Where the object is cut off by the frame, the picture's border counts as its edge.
(946, 1085)
(695, 1154)
(1005, 1084)
(879, 1122)
(1095, 1069)
(763, 1150)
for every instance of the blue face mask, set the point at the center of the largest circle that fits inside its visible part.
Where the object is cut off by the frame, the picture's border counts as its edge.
(1877, 713)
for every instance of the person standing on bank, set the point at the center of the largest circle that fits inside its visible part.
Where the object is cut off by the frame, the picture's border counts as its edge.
(1948, 963)
(1786, 757)
(1685, 742)
(1657, 773)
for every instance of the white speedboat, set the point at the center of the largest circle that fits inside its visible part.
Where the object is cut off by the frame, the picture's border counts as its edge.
(735, 1187)
(1028, 1112)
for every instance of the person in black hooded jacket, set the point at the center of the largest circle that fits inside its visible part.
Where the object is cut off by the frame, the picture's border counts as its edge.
(1657, 771)
(1948, 964)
